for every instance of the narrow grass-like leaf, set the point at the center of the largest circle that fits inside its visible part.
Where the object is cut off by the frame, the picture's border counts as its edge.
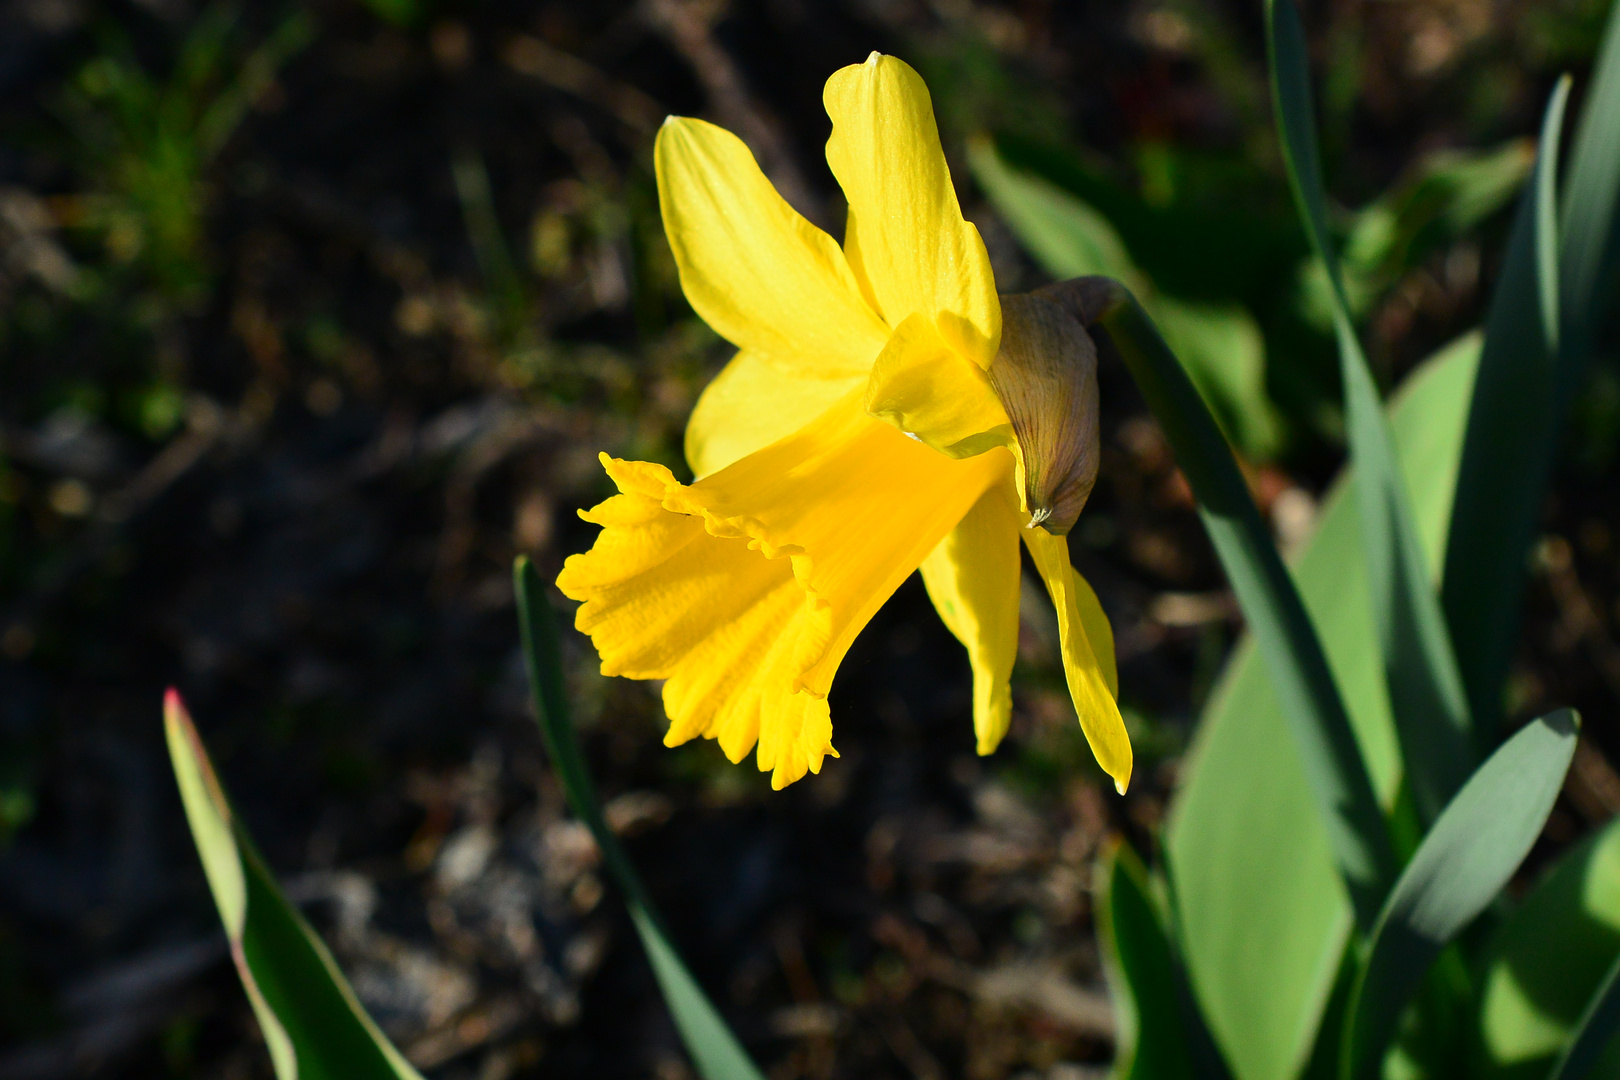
(1298, 667)
(1425, 686)
(1150, 1041)
(1544, 314)
(224, 114)
(1597, 1028)
(314, 1027)
(1590, 233)
(1512, 433)
(1474, 848)
(714, 1049)
(1263, 918)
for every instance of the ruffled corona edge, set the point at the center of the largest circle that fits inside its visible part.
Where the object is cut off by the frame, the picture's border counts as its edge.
(670, 591)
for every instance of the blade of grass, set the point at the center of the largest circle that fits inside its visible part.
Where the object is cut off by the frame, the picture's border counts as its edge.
(1543, 318)
(714, 1049)
(1425, 686)
(508, 300)
(1476, 844)
(224, 115)
(314, 1027)
(1298, 667)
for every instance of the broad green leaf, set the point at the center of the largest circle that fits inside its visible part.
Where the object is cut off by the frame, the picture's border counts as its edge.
(1064, 233)
(1425, 686)
(1263, 917)
(1150, 1042)
(1223, 350)
(1220, 345)
(1594, 1033)
(1317, 720)
(714, 1049)
(1547, 960)
(314, 1027)
(1476, 844)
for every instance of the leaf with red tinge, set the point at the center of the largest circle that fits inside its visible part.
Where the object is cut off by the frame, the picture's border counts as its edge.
(314, 1026)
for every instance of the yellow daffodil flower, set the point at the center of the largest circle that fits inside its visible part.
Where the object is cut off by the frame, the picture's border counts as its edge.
(886, 412)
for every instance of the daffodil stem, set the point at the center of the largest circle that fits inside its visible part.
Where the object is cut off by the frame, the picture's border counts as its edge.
(1287, 638)
(715, 1050)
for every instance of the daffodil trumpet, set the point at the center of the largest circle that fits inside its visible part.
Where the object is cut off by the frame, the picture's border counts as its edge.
(886, 412)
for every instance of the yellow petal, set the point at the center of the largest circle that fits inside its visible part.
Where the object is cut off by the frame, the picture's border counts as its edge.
(929, 391)
(972, 578)
(752, 403)
(745, 589)
(906, 237)
(1099, 631)
(761, 275)
(1092, 681)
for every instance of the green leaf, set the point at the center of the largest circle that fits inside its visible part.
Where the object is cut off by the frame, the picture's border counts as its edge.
(714, 1049)
(1590, 236)
(1594, 1033)
(1064, 233)
(1537, 349)
(1512, 434)
(1225, 354)
(1316, 715)
(1244, 842)
(1219, 345)
(401, 13)
(254, 76)
(1448, 193)
(1150, 1041)
(1548, 960)
(1425, 686)
(1475, 846)
(314, 1027)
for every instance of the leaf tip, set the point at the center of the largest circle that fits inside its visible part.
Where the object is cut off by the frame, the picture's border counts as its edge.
(1566, 722)
(174, 711)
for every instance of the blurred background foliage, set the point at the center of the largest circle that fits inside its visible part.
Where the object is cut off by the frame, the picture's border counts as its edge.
(312, 315)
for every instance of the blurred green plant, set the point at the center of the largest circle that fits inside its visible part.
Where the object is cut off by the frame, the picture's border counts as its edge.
(402, 13)
(508, 296)
(1220, 343)
(144, 146)
(1447, 195)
